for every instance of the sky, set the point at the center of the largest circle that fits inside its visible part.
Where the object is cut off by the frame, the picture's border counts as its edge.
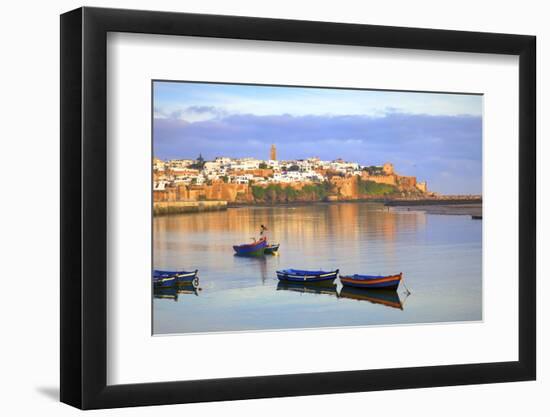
(435, 137)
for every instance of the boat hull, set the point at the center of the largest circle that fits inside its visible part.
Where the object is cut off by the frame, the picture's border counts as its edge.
(253, 249)
(307, 276)
(271, 249)
(171, 278)
(163, 279)
(188, 279)
(164, 282)
(389, 282)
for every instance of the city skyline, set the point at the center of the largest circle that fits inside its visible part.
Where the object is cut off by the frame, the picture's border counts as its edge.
(431, 135)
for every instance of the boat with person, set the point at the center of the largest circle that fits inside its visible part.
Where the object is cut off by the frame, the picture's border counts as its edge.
(388, 282)
(255, 248)
(301, 275)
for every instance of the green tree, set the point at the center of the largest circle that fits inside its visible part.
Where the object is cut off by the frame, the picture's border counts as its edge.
(258, 193)
(374, 188)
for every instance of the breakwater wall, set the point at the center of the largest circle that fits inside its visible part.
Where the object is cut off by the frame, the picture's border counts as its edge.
(179, 207)
(436, 201)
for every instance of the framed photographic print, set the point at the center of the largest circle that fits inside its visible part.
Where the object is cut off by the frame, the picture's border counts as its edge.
(282, 208)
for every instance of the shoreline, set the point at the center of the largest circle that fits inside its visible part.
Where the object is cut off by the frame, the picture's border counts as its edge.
(474, 210)
(388, 202)
(451, 205)
(434, 202)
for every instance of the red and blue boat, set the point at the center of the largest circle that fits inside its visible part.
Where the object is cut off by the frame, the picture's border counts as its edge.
(163, 279)
(387, 282)
(255, 248)
(305, 276)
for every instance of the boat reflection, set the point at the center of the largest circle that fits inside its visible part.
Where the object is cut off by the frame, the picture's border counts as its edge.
(172, 293)
(309, 288)
(389, 298)
(253, 262)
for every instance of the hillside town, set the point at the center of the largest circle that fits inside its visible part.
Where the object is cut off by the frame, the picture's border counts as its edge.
(250, 180)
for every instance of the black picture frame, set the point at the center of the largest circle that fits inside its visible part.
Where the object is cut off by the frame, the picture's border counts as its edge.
(84, 207)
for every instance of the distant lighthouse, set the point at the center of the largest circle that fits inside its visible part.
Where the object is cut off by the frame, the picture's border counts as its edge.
(273, 153)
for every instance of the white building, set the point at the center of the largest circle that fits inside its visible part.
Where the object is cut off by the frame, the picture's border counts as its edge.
(343, 166)
(181, 163)
(158, 165)
(245, 164)
(242, 179)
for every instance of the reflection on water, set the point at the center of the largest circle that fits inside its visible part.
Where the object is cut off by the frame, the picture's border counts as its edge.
(389, 298)
(439, 255)
(172, 293)
(328, 289)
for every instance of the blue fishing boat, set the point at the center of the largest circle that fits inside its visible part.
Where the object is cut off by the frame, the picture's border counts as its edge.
(388, 282)
(271, 249)
(255, 248)
(169, 278)
(164, 282)
(300, 275)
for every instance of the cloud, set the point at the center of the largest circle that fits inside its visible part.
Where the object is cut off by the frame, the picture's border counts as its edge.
(436, 148)
(191, 114)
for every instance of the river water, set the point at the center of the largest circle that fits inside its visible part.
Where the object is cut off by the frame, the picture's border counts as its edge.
(439, 255)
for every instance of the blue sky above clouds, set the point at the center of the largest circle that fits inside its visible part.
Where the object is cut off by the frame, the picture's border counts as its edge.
(437, 137)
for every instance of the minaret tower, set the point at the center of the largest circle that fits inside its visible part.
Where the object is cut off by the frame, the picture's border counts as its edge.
(273, 153)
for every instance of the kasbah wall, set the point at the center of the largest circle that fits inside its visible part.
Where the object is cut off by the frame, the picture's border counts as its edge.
(345, 188)
(216, 191)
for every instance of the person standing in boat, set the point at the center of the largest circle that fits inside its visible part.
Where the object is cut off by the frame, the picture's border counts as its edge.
(263, 232)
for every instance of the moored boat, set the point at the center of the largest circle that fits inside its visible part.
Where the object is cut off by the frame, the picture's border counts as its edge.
(169, 278)
(300, 275)
(251, 249)
(164, 282)
(271, 249)
(388, 282)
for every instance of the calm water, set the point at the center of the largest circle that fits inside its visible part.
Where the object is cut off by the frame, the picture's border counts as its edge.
(439, 255)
